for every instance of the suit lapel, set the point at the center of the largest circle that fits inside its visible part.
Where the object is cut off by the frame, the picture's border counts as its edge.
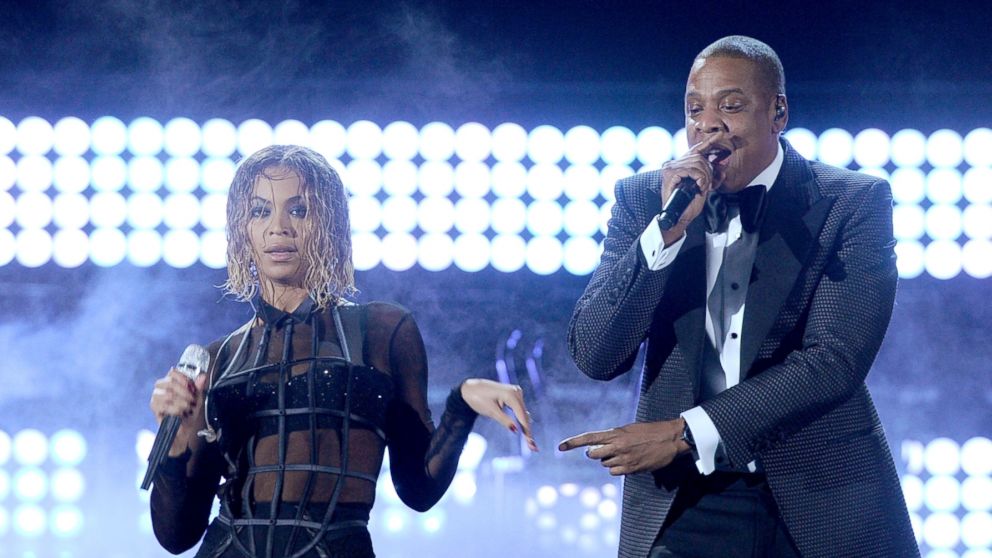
(689, 300)
(793, 220)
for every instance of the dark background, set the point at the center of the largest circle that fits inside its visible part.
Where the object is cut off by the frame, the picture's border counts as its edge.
(81, 348)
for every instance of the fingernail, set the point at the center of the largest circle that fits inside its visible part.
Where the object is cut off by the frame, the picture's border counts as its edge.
(513, 428)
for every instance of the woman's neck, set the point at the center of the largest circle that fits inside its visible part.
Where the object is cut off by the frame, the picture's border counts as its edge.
(283, 297)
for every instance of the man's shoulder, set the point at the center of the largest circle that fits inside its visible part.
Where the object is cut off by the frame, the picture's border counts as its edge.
(838, 181)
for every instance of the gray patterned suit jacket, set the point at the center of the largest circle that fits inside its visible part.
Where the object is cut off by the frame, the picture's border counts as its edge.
(818, 305)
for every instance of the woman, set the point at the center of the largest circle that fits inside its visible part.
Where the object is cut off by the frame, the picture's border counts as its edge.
(300, 403)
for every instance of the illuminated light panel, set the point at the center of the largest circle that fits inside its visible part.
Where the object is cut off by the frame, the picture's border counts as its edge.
(508, 253)
(291, 132)
(34, 247)
(144, 247)
(619, 146)
(5, 448)
(581, 145)
(509, 143)
(329, 138)
(472, 252)
(67, 485)
(545, 144)
(399, 251)
(70, 174)
(70, 248)
(8, 173)
(180, 248)
(544, 255)
(30, 484)
(182, 138)
(804, 141)
(365, 213)
(145, 174)
(108, 247)
(436, 178)
(836, 147)
(941, 530)
(976, 456)
(253, 134)
(976, 185)
(8, 136)
(399, 178)
(145, 136)
(366, 250)
(945, 149)
(654, 147)
(219, 138)
(978, 147)
(909, 148)
(473, 142)
(72, 137)
(8, 210)
(910, 259)
(545, 182)
(364, 140)
(436, 215)
(213, 249)
(363, 177)
(908, 185)
(943, 259)
(35, 136)
(472, 216)
(472, 179)
(34, 173)
(944, 186)
(108, 136)
(581, 182)
(435, 251)
(108, 173)
(66, 521)
(437, 141)
(34, 210)
(29, 521)
(509, 179)
(400, 141)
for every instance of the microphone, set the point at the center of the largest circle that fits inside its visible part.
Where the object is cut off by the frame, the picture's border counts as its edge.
(194, 361)
(686, 190)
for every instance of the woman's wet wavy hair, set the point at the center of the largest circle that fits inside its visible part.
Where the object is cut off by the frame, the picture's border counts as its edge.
(330, 275)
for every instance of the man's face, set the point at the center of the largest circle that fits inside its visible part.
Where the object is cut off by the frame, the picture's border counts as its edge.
(277, 227)
(726, 96)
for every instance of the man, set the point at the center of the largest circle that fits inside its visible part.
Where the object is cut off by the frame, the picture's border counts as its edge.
(761, 315)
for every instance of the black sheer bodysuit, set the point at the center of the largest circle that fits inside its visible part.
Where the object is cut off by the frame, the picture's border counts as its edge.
(301, 407)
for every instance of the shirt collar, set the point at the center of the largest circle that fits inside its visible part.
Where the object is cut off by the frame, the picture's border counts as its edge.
(770, 174)
(272, 315)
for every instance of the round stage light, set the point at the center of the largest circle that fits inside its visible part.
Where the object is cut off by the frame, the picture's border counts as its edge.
(509, 179)
(66, 521)
(436, 178)
(945, 149)
(944, 186)
(941, 530)
(108, 209)
(108, 246)
(871, 148)
(71, 174)
(581, 218)
(399, 178)
(108, 136)
(291, 132)
(436, 215)
(4, 487)
(942, 493)
(71, 211)
(29, 521)
(8, 246)
(144, 247)
(912, 492)
(976, 258)
(508, 253)
(472, 179)
(8, 136)
(144, 210)
(216, 175)
(978, 147)
(944, 222)
(437, 141)
(400, 141)
(908, 185)
(680, 143)
(908, 222)
(605, 214)
(366, 250)
(976, 185)
(253, 134)
(943, 259)
(909, 148)
(589, 497)
(472, 252)
(67, 485)
(145, 136)
(34, 173)
(363, 177)
(607, 509)
(976, 493)
(472, 215)
(545, 144)
(67, 448)
(395, 520)
(70, 248)
(581, 182)
(910, 258)
(5, 448)
(35, 136)
(8, 173)
(836, 147)
(213, 249)
(34, 247)
(145, 174)
(803, 141)
(8, 210)
(180, 248)
(545, 182)
(509, 216)
(609, 177)
(619, 146)
(544, 255)
(432, 521)
(30, 484)
(399, 251)
(364, 140)
(509, 142)
(976, 531)
(108, 174)
(328, 138)
(547, 496)
(219, 138)
(654, 147)
(181, 211)
(34, 210)
(182, 137)
(365, 213)
(976, 456)
(473, 142)
(399, 214)
(435, 251)
(71, 137)
(977, 221)
(942, 457)
(464, 487)
(582, 145)
(544, 218)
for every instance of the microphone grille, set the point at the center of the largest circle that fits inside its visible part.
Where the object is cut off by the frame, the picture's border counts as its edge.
(194, 361)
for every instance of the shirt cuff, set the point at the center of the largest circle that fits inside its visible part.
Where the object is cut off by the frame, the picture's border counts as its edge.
(706, 437)
(653, 248)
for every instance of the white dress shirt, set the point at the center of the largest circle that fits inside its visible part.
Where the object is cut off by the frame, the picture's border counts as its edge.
(723, 334)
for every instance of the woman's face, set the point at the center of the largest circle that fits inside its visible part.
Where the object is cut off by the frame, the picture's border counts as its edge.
(278, 227)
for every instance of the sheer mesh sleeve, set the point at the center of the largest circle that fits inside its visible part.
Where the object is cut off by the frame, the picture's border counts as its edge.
(183, 493)
(423, 460)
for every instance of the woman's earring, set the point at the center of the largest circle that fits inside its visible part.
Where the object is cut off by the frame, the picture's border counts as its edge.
(252, 270)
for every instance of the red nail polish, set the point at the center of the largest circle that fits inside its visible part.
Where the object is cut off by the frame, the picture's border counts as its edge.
(513, 428)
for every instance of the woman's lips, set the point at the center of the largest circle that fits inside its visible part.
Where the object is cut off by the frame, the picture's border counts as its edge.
(281, 254)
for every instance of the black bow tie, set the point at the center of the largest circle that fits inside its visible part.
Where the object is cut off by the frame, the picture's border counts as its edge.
(750, 201)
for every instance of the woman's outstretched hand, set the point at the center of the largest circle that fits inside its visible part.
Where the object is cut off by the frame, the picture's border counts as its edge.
(179, 396)
(491, 399)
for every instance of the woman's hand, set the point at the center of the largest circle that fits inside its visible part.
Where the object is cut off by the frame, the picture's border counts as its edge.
(490, 399)
(178, 396)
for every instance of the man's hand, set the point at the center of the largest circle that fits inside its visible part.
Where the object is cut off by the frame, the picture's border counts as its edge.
(635, 448)
(697, 164)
